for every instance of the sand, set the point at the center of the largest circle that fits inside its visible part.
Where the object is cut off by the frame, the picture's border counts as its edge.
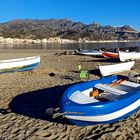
(24, 96)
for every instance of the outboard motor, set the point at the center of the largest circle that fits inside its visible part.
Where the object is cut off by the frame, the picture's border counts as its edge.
(134, 77)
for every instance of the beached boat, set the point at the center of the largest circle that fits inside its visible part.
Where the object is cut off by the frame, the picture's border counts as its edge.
(88, 52)
(110, 54)
(115, 68)
(126, 56)
(19, 64)
(105, 100)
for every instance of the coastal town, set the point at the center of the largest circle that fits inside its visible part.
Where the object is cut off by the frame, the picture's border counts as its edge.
(56, 40)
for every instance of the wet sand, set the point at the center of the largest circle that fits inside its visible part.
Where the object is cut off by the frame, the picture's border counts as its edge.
(24, 96)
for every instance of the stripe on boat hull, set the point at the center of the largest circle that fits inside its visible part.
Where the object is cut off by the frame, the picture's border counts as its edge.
(23, 68)
(107, 117)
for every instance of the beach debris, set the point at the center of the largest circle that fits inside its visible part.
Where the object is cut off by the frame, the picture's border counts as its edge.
(84, 74)
(79, 67)
(134, 76)
(66, 53)
(68, 77)
(34, 72)
(5, 111)
(69, 52)
(52, 74)
(54, 113)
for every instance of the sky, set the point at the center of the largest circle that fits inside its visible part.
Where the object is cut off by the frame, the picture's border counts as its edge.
(105, 12)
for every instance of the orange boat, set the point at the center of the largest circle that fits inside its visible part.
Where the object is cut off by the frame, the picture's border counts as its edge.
(110, 54)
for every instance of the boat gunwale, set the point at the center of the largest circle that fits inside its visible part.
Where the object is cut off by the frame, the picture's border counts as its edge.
(19, 59)
(70, 90)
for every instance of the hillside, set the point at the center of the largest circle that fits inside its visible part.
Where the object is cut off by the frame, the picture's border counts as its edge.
(66, 29)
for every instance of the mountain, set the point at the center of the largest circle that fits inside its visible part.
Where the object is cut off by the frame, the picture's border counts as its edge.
(65, 28)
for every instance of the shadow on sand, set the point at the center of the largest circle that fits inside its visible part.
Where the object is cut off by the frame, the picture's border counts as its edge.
(95, 72)
(33, 104)
(105, 60)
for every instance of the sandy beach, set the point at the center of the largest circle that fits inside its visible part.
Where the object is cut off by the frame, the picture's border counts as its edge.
(24, 96)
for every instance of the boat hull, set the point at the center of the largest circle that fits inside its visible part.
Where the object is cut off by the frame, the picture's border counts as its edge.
(126, 56)
(99, 112)
(116, 68)
(86, 122)
(21, 64)
(89, 52)
(110, 55)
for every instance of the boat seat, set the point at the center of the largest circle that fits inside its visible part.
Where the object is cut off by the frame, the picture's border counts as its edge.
(110, 89)
(109, 96)
(79, 97)
(130, 84)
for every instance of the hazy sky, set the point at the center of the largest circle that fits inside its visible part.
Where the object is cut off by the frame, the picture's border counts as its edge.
(106, 12)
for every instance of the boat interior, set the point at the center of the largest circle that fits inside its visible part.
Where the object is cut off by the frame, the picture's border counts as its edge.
(105, 92)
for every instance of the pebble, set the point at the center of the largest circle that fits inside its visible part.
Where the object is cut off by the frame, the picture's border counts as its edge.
(43, 133)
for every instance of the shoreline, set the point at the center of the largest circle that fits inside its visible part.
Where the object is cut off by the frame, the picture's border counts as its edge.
(56, 40)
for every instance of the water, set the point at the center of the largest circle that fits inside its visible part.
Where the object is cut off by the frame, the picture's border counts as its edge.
(123, 45)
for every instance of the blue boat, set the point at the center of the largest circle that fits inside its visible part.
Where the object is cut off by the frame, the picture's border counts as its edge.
(106, 100)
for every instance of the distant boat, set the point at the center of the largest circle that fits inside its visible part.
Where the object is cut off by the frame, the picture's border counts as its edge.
(88, 52)
(19, 64)
(115, 68)
(110, 54)
(105, 100)
(126, 56)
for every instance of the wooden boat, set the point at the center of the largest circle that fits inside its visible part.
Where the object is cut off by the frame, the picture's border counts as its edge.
(110, 54)
(88, 52)
(126, 56)
(19, 64)
(115, 68)
(105, 100)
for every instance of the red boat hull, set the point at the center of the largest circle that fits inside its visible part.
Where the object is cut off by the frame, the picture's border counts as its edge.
(110, 55)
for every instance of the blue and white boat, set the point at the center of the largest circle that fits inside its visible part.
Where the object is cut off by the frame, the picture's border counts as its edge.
(101, 101)
(89, 52)
(19, 64)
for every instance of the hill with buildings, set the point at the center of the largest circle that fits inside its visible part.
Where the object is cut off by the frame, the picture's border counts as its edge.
(65, 29)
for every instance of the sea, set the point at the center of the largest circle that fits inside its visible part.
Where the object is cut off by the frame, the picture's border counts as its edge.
(131, 46)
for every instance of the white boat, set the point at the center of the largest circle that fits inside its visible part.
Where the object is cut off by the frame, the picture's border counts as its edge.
(19, 64)
(126, 56)
(89, 52)
(115, 68)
